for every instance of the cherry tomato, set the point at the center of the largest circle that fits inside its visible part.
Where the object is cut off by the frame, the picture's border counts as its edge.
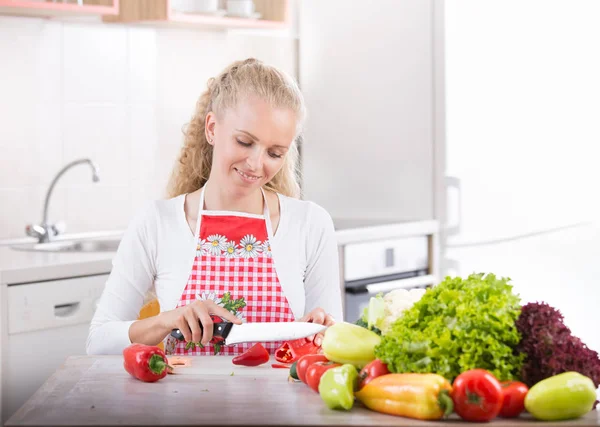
(514, 393)
(305, 361)
(477, 395)
(316, 371)
(372, 370)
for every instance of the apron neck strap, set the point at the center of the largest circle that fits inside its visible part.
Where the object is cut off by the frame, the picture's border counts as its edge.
(266, 212)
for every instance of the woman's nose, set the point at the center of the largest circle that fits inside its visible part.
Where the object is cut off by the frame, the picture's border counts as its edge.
(255, 160)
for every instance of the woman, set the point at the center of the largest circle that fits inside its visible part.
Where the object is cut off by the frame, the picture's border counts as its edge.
(233, 240)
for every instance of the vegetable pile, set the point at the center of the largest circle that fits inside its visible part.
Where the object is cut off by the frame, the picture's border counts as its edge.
(465, 346)
(461, 347)
(456, 326)
(550, 347)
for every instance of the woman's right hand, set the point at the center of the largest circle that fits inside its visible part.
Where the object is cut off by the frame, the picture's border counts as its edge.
(188, 318)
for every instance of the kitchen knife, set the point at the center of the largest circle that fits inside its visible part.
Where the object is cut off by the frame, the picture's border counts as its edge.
(260, 331)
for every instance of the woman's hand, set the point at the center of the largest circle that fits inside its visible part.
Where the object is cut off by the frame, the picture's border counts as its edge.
(188, 318)
(318, 316)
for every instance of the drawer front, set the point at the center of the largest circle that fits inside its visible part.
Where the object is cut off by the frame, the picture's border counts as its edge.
(54, 303)
(379, 258)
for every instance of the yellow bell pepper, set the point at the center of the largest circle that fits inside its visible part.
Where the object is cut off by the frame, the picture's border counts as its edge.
(347, 343)
(420, 396)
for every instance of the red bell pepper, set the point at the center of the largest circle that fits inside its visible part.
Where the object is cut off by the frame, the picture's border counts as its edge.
(254, 356)
(280, 366)
(145, 362)
(290, 351)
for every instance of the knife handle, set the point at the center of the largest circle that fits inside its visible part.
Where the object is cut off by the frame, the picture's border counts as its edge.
(220, 329)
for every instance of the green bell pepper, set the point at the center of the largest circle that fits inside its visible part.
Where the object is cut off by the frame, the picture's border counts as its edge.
(347, 343)
(337, 385)
(561, 397)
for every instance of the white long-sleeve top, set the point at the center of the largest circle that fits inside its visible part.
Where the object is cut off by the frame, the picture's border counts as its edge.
(158, 249)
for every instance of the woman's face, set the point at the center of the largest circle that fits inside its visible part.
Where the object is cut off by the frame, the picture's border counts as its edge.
(250, 143)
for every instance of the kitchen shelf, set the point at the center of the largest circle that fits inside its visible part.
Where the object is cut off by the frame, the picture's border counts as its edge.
(274, 14)
(47, 8)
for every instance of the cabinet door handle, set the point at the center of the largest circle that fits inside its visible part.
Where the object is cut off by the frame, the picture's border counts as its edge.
(454, 182)
(66, 310)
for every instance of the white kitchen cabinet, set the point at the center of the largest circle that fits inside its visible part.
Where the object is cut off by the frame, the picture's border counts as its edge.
(372, 77)
(44, 323)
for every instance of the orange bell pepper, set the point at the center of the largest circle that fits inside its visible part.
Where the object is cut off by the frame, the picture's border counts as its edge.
(420, 396)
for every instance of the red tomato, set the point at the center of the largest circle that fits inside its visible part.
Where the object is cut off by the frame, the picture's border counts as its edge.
(371, 371)
(514, 393)
(305, 361)
(316, 371)
(477, 395)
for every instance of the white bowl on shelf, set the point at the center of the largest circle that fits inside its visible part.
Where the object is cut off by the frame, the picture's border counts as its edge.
(208, 7)
(241, 8)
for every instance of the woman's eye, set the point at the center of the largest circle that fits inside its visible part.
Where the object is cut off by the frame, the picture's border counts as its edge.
(245, 144)
(276, 156)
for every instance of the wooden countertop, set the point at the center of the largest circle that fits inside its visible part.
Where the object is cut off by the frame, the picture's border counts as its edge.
(96, 390)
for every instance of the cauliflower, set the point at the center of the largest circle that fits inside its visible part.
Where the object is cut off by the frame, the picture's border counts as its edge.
(395, 302)
(384, 310)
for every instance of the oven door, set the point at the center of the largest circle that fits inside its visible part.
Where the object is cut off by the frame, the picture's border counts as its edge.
(358, 294)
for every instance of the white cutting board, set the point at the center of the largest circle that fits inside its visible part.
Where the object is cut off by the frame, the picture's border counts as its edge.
(223, 365)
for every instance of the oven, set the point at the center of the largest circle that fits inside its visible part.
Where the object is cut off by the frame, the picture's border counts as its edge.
(371, 266)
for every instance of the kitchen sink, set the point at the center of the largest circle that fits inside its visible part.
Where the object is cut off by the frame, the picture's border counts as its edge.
(72, 246)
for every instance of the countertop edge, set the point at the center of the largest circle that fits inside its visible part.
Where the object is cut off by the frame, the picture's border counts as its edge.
(102, 263)
(54, 272)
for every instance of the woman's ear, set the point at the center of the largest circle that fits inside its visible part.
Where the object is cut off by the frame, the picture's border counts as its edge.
(209, 127)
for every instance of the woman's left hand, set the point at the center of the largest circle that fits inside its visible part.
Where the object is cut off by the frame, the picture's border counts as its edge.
(318, 316)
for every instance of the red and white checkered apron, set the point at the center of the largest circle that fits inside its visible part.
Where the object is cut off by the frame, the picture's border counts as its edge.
(233, 255)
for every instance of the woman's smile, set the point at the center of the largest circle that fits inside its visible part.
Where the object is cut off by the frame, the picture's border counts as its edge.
(246, 176)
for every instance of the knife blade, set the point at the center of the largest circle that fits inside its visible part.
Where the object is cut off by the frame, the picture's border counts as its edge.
(260, 331)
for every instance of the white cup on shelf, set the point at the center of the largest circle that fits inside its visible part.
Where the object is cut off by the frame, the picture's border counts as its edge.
(240, 7)
(195, 6)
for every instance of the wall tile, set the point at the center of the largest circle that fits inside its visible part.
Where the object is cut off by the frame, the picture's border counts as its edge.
(94, 63)
(18, 166)
(98, 208)
(141, 73)
(116, 94)
(47, 146)
(48, 65)
(98, 132)
(143, 140)
(181, 81)
(18, 40)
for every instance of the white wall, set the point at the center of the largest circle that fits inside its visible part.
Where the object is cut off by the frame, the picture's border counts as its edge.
(523, 102)
(523, 136)
(117, 94)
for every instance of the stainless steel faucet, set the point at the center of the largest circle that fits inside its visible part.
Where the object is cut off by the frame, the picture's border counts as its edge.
(45, 231)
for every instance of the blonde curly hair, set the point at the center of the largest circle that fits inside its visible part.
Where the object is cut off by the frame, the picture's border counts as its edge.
(238, 80)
